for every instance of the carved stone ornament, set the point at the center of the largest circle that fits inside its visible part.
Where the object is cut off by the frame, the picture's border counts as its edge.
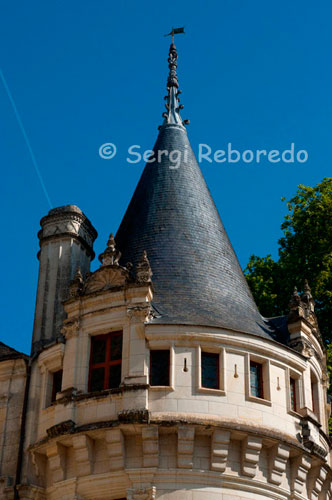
(140, 313)
(106, 278)
(64, 427)
(111, 255)
(141, 494)
(70, 329)
(303, 348)
(143, 270)
(76, 286)
(303, 307)
(110, 274)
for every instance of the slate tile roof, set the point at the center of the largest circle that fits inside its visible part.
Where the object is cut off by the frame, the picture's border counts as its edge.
(7, 352)
(197, 278)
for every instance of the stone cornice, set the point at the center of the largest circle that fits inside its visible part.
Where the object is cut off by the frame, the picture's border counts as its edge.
(143, 417)
(68, 221)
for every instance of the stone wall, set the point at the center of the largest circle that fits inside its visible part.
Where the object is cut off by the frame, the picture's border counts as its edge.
(12, 387)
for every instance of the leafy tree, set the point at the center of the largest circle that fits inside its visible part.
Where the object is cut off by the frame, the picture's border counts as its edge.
(305, 252)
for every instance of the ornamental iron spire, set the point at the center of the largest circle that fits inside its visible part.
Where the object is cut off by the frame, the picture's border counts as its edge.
(172, 115)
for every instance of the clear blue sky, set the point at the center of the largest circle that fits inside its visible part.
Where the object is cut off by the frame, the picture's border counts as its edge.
(82, 73)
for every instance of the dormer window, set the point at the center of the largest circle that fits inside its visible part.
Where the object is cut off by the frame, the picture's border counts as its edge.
(105, 361)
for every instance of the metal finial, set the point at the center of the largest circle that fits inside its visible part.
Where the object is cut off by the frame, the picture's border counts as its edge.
(172, 80)
(172, 115)
(176, 31)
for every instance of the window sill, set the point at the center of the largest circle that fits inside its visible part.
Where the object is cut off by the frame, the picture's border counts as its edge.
(168, 388)
(215, 392)
(262, 401)
(294, 413)
(49, 408)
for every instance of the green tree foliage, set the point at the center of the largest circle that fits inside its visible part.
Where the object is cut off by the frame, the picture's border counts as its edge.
(305, 252)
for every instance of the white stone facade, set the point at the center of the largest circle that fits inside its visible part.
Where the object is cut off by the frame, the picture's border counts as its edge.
(181, 441)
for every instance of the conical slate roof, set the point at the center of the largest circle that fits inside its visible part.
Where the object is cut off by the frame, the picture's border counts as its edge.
(197, 278)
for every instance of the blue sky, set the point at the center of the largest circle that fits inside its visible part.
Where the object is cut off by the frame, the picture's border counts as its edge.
(82, 73)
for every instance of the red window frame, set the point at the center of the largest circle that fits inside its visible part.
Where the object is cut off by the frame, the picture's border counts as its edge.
(292, 383)
(259, 367)
(107, 363)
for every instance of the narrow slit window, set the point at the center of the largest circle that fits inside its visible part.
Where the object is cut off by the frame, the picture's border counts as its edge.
(292, 385)
(210, 370)
(256, 380)
(314, 395)
(159, 367)
(105, 361)
(56, 384)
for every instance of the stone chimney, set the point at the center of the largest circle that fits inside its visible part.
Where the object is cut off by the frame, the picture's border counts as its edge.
(66, 245)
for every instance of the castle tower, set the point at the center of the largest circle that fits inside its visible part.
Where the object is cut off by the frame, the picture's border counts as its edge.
(167, 383)
(66, 239)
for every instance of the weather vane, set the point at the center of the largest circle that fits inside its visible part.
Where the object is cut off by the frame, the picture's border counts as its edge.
(175, 31)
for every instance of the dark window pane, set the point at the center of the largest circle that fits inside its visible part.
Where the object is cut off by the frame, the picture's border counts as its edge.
(116, 347)
(114, 376)
(293, 394)
(256, 388)
(159, 367)
(210, 370)
(57, 381)
(97, 379)
(98, 350)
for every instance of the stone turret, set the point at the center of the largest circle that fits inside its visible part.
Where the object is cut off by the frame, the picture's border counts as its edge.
(66, 244)
(169, 384)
